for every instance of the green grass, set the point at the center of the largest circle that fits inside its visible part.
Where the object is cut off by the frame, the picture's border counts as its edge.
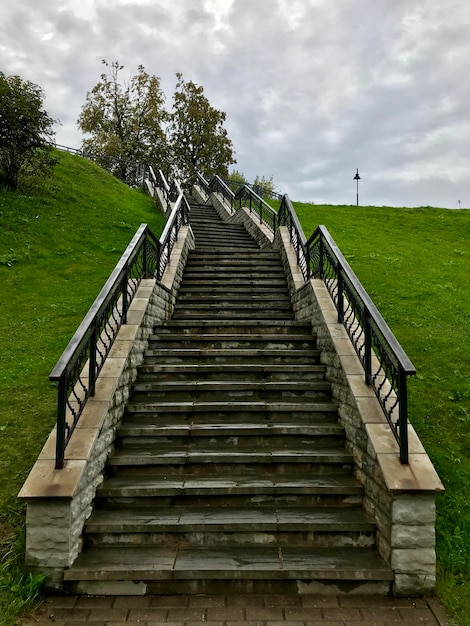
(415, 264)
(60, 238)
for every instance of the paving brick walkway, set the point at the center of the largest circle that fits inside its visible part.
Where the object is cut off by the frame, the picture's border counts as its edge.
(238, 611)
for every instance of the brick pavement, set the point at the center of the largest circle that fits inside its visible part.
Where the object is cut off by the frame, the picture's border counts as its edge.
(238, 611)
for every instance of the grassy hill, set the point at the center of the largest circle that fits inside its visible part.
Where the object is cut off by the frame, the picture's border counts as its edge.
(60, 238)
(415, 264)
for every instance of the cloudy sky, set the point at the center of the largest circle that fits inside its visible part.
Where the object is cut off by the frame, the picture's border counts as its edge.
(312, 89)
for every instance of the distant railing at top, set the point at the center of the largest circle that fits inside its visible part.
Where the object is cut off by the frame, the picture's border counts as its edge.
(385, 363)
(78, 151)
(246, 197)
(78, 368)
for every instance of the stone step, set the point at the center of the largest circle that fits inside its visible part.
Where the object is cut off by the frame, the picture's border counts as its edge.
(218, 392)
(250, 408)
(240, 488)
(299, 564)
(234, 298)
(262, 313)
(206, 356)
(243, 305)
(165, 455)
(229, 372)
(287, 340)
(256, 258)
(210, 288)
(186, 526)
(245, 386)
(244, 326)
(136, 424)
(215, 270)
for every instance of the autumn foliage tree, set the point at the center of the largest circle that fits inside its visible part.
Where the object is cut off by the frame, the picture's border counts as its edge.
(197, 137)
(26, 130)
(124, 121)
(126, 124)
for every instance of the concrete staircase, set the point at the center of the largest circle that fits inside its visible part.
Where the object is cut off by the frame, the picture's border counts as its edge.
(230, 471)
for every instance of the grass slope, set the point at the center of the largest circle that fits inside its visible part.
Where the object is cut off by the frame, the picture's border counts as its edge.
(60, 238)
(415, 265)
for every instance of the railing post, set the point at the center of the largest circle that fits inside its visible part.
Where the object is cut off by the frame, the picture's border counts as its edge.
(320, 257)
(340, 295)
(124, 294)
(403, 416)
(144, 256)
(367, 347)
(60, 431)
(92, 359)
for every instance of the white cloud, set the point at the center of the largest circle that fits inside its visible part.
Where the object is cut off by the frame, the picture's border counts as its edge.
(312, 88)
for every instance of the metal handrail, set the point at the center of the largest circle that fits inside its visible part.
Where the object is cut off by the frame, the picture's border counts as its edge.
(385, 363)
(246, 197)
(78, 367)
(235, 185)
(287, 216)
(217, 185)
(203, 182)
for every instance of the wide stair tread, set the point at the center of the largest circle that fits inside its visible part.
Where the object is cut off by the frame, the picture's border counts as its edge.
(235, 484)
(227, 563)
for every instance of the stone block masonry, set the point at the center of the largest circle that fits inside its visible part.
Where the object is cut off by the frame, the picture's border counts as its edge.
(400, 498)
(60, 501)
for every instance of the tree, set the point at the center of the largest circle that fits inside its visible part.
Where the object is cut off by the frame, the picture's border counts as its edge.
(125, 121)
(264, 187)
(26, 130)
(197, 137)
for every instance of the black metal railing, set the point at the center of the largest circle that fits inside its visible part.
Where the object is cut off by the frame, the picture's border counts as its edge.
(246, 197)
(385, 363)
(179, 217)
(203, 183)
(217, 185)
(287, 216)
(78, 368)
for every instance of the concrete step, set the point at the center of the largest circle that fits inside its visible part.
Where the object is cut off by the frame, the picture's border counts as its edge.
(223, 391)
(258, 487)
(231, 340)
(165, 455)
(142, 424)
(234, 356)
(228, 297)
(203, 526)
(153, 566)
(239, 326)
(229, 372)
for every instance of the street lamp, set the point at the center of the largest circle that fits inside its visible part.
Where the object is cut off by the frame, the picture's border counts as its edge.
(357, 178)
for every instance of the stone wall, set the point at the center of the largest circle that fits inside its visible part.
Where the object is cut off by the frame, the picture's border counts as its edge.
(400, 498)
(60, 501)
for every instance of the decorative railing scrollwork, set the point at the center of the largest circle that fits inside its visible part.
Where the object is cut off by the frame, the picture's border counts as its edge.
(385, 364)
(78, 368)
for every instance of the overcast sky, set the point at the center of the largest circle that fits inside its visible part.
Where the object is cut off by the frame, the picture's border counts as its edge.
(312, 89)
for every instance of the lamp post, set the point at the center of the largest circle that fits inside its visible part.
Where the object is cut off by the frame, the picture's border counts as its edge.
(357, 178)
